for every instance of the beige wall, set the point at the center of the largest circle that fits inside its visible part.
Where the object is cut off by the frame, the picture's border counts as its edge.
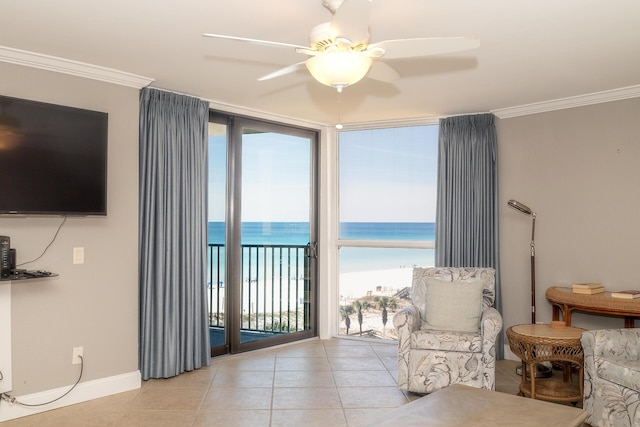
(93, 305)
(579, 170)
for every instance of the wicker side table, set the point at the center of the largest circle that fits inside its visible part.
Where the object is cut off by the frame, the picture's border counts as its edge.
(535, 344)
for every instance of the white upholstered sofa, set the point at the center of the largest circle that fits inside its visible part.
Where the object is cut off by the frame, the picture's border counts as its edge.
(448, 336)
(612, 377)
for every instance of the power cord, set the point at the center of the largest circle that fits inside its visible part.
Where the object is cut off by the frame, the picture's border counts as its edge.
(48, 246)
(8, 398)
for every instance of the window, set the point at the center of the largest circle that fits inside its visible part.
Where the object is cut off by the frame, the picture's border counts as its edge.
(387, 196)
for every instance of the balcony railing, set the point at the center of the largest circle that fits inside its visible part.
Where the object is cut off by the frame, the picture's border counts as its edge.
(275, 288)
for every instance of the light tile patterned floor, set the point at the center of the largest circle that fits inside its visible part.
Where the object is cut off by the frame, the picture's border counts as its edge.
(336, 382)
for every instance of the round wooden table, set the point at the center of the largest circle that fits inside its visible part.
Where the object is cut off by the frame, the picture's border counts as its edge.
(535, 344)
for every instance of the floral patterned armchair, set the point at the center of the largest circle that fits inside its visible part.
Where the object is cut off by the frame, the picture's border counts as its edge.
(612, 377)
(448, 336)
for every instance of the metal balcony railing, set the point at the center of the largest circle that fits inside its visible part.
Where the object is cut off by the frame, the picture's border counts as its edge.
(275, 288)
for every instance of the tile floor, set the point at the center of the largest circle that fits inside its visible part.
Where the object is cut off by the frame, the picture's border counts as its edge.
(336, 382)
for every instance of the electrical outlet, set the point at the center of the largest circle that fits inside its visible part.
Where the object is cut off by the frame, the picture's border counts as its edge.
(78, 352)
(78, 255)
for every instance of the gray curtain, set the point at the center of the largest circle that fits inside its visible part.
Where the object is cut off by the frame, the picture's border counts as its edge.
(174, 333)
(467, 207)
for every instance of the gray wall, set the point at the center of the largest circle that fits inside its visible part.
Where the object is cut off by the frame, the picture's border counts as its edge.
(93, 305)
(579, 169)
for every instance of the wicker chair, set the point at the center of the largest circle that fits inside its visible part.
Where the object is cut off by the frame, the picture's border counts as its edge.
(433, 354)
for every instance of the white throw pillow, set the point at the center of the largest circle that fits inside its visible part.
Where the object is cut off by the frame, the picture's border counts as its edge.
(453, 306)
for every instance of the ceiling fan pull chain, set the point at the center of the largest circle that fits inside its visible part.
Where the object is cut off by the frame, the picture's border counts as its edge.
(339, 124)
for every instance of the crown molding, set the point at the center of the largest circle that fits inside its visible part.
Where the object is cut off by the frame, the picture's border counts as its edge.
(110, 75)
(74, 68)
(570, 102)
(260, 114)
(416, 121)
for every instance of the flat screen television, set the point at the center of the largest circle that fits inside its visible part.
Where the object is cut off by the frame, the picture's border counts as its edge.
(53, 159)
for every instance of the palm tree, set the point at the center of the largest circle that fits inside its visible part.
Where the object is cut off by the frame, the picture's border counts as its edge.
(361, 305)
(385, 303)
(345, 312)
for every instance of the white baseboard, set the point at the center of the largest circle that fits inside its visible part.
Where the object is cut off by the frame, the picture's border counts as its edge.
(85, 391)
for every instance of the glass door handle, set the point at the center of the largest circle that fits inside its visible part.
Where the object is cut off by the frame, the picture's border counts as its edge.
(312, 250)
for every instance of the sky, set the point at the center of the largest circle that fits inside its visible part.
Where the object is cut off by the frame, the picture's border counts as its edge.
(385, 175)
(388, 175)
(275, 178)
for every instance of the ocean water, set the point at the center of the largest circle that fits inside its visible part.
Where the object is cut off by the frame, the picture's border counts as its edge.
(408, 231)
(351, 259)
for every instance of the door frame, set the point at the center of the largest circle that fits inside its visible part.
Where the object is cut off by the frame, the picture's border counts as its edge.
(233, 226)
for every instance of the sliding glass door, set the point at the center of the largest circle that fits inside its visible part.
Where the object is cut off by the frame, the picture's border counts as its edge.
(262, 234)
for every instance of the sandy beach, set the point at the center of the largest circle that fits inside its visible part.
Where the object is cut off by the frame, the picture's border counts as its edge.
(375, 282)
(365, 285)
(368, 285)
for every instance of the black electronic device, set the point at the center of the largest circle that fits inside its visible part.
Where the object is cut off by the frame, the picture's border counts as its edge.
(54, 159)
(37, 273)
(13, 257)
(5, 257)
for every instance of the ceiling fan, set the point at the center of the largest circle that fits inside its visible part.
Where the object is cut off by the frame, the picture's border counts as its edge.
(340, 53)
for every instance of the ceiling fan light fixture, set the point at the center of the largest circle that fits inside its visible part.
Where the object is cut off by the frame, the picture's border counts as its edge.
(343, 41)
(376, 52)
(339, 69)
(339, 51)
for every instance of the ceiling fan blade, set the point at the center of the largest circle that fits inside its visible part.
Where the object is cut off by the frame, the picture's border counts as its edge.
(307, 51)
(351, 21)
(254, 41)
(282, 71)
(382, 72)
(411, 48)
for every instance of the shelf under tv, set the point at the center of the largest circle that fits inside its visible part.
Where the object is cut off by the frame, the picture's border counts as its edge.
(28, 275)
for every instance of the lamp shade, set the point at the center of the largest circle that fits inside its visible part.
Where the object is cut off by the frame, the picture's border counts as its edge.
(338, 69)
(519, 206)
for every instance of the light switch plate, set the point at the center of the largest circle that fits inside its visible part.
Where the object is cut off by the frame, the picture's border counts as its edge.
(78, 255)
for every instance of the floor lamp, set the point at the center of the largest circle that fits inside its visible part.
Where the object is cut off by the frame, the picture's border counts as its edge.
(541, 370)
